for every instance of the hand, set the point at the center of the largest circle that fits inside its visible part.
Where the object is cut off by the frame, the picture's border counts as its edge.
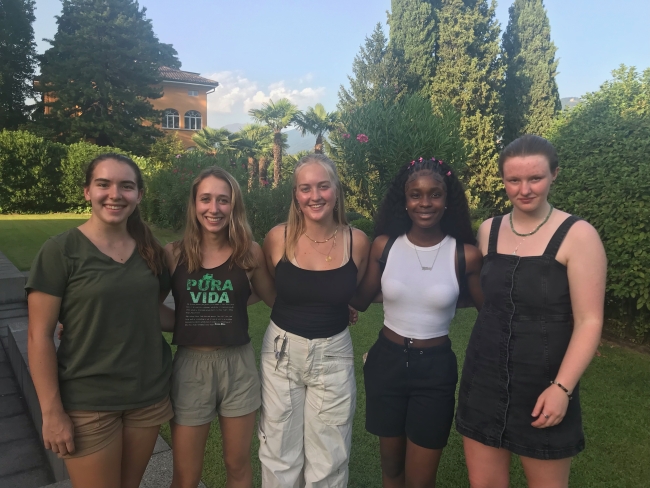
(58, 433)
(354, 315)
(59, 332)
(550, 408)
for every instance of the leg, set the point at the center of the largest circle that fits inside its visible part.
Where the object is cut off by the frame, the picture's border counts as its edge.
(488, 467)
(542, 473)
(392, 451)
(237, 433)
(137, 447)
(100, 469)
(421, 466)
(188, 450)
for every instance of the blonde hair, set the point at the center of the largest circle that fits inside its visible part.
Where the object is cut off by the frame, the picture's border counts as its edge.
(296, 221)
(240, 236)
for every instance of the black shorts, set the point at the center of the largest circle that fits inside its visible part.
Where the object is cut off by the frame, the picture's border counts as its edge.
(416, 400)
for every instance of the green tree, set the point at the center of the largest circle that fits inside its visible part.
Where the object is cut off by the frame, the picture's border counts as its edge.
(603, 145)
(17, 61)
(102, 70)
(277, 116)
(216, 141)
(413, 35)
(377, 72)
(317, 121)
(255, 143)
(530, 96)
(469, 74)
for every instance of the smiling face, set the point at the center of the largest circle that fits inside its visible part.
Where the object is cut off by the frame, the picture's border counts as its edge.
(315, 193)
(426, 196)
(113, 191)
(528, 180)
(213, 204)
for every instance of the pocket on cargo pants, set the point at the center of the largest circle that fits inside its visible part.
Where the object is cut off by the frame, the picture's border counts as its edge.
(339, 395)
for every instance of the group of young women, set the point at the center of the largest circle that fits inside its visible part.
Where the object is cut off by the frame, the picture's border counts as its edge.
(537, 278)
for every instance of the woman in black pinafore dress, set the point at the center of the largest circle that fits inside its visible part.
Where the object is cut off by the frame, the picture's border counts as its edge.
(536, 333)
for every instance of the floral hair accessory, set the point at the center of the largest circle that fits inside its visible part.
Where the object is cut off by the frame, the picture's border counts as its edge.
(448, 173)
(412, 163)
(440, 161)
(420, 159)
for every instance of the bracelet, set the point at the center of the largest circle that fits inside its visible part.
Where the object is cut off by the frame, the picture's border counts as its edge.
(553, 382)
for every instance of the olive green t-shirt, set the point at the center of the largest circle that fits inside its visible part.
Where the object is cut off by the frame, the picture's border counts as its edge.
(112, 354)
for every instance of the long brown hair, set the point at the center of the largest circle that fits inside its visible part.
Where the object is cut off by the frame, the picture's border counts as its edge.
(240, 236)
(296, 220)
(148, 247)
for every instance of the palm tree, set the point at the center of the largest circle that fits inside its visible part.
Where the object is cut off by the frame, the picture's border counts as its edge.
(276, 116)
(317, 121)
(255, 143)
(215, 141)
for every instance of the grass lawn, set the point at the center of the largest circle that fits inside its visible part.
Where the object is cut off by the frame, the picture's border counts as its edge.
(614, 392)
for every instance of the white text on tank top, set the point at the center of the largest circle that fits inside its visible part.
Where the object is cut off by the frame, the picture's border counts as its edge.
(420, 304)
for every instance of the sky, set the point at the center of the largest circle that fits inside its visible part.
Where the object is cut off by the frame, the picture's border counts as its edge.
(303, 49)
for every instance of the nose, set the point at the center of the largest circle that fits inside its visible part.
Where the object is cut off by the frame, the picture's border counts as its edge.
(114, 192)
(426, 201)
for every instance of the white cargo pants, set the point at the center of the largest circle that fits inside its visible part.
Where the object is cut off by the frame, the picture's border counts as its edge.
(308, 402)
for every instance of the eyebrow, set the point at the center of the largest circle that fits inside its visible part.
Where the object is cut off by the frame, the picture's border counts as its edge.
(319, 183)
(210, 194)
(104, 180)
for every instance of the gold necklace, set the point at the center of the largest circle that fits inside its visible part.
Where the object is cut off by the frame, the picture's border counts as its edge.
(322, 242)
(328, 256)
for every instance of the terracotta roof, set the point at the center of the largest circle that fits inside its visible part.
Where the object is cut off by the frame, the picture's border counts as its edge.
(171, 74)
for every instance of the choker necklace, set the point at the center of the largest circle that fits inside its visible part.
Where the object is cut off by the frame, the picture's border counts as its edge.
(322, 242)
(427, 268)
(527, 234)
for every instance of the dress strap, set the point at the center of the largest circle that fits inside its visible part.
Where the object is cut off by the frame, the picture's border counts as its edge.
(494, 234)
(350, 228)
(557, 239)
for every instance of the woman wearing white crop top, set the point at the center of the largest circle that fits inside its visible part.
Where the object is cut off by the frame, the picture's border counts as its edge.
(411, 372)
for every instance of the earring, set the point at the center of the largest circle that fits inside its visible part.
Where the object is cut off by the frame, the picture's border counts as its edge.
(445, 208)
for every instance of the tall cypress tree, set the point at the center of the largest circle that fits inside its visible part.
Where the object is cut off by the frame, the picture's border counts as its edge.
(17, 60)
(102, 70)
(468, 74)
(530, 97)
(413, 35)
(377, 72)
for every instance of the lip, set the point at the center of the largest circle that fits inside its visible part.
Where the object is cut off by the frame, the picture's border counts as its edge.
(213, 220)
(114, 208)
(526, 200)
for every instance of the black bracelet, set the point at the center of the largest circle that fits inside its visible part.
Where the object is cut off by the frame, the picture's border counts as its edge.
(553, 382)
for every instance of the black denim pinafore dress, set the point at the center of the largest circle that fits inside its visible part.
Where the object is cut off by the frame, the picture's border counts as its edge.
(515, 350)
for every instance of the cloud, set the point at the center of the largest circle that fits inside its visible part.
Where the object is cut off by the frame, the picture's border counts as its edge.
(236, 94)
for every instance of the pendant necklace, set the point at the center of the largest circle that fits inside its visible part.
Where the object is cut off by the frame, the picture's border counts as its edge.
(427, 268)
(328, 256)
(528, 234)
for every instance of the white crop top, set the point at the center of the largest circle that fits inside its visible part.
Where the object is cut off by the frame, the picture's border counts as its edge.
(420, 304)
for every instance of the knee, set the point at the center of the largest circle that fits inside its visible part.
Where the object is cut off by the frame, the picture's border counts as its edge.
(185, 480)
(482, 481)
(237, 467)
(393, 469)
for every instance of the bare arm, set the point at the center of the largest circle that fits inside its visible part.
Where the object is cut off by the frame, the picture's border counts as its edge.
(370, 286)
(58, 430)
(586, 268)
(263, 284)
(167, 315)
(473, 265)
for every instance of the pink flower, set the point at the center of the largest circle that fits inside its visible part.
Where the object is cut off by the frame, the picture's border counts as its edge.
(362, 138)
(175, 171)
(178, 156)
(345, 135)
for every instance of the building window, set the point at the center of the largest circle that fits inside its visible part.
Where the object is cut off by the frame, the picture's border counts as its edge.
(193, 120)
(193, 93)
(171, 119)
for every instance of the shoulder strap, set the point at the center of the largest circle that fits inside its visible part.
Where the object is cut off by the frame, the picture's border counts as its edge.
(350, 227)
(494, 234)
(384, 254)
(462, 278)
(559, 235)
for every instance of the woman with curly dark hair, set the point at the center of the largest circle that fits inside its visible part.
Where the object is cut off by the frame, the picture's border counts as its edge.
(422, 260)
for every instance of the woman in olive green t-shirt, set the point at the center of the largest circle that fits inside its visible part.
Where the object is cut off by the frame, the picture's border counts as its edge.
(105, 392)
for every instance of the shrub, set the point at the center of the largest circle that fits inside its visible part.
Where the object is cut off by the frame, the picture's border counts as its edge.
(366, 225)
(380, 136)
(29, 173)
(603, 145)
(267, 207)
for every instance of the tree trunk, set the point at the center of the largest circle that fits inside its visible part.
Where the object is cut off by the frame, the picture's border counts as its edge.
(251, 172)
(264, 166)
(277, 158)
(318, 148)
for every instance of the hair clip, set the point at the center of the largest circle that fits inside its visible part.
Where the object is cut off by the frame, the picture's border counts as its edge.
(413, 163)
(448, 173)
(440, 161)
(420, 159)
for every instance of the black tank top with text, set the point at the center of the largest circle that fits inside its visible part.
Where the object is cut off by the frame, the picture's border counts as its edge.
(211, 306)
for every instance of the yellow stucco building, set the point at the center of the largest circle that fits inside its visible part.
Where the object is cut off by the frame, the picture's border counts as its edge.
(184, 102)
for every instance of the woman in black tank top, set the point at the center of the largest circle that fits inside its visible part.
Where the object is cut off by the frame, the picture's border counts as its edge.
(213, 268)
(543, 278)
(307, 364)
